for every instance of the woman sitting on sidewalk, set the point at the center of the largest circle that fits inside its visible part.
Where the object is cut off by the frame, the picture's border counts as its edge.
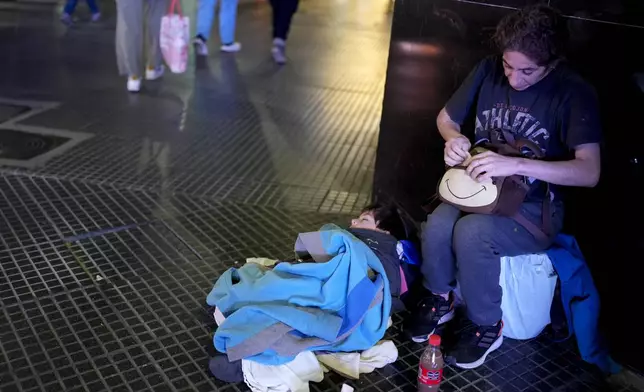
(528, 91)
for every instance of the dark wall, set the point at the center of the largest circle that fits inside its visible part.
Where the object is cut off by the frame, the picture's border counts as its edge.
(434, 45)
(628, 12)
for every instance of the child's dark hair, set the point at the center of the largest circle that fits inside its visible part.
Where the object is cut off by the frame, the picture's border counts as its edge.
(388, 218)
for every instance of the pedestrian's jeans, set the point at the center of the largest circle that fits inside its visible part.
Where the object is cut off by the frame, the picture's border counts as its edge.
(227, 19)
(283, 11)
(70, 6)
(468, 249)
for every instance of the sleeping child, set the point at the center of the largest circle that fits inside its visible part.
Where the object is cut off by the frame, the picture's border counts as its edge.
(387, 233)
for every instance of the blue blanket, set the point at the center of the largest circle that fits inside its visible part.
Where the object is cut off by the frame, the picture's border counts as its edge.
(329, 305)
(581, 302)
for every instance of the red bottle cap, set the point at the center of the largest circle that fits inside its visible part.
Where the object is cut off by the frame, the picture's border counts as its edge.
(435, 340)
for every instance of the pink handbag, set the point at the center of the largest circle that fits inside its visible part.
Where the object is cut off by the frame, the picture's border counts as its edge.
(175, 38)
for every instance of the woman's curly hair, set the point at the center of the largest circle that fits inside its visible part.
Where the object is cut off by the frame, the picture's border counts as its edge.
(536, 31)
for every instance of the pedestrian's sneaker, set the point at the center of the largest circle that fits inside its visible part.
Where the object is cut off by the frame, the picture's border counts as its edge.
(66, 18)
(279, 51)
(154, 74)
(476, 344)
(231, 48)
(96, 17)
(201, 47)
(432, 311)
(133, 84)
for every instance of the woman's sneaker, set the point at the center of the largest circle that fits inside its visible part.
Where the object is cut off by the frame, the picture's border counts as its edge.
(279, 51)
(133, 84)
(475, 344)
(66, 18)
(96, 17)
(432, 311)
(154, 74)
(231, 48)
(201, 47)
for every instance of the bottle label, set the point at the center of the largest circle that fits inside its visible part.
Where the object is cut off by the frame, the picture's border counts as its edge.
(429, 376)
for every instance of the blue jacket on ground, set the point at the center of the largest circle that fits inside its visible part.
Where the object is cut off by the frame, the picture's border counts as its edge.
(329, 305)
(581, 301)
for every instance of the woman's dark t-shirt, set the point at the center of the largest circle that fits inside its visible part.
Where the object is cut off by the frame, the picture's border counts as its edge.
(558, 113)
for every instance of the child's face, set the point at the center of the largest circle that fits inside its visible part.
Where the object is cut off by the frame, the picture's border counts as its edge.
(365, 221)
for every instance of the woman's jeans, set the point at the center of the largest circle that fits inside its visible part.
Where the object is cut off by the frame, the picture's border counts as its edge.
(71, 6)
(468, 249)
(227, 19)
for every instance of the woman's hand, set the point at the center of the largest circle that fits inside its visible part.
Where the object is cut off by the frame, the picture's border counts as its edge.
(489, 164)
(456, 151)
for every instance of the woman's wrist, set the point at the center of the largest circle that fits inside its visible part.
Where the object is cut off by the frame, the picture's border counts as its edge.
(523, 167)
(450, 134)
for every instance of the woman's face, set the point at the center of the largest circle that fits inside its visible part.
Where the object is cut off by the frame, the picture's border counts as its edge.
(521, 71)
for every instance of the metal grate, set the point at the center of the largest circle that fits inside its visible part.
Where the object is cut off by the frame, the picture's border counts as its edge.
(125, 310)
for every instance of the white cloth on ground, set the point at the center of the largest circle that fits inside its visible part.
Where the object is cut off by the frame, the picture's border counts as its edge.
(296, 375)
(293, 376)
(262, 261)
(351, 365)
(346, 388)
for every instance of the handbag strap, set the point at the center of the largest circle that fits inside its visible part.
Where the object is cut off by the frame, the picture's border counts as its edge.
(506, 143)
(175, 4)
(544, 233)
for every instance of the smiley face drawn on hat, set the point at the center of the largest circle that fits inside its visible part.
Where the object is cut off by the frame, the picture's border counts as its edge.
(458, 188)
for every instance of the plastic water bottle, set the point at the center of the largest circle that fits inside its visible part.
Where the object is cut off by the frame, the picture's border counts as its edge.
(430, 369)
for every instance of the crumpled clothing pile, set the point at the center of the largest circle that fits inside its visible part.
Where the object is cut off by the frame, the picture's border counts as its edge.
(307, 366)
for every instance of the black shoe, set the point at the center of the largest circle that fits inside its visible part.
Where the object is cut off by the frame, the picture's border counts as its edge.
(431, 312)
(475, 344)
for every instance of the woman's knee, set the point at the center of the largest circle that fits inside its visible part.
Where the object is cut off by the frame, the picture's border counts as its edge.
(440, 223)
(474, 230)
